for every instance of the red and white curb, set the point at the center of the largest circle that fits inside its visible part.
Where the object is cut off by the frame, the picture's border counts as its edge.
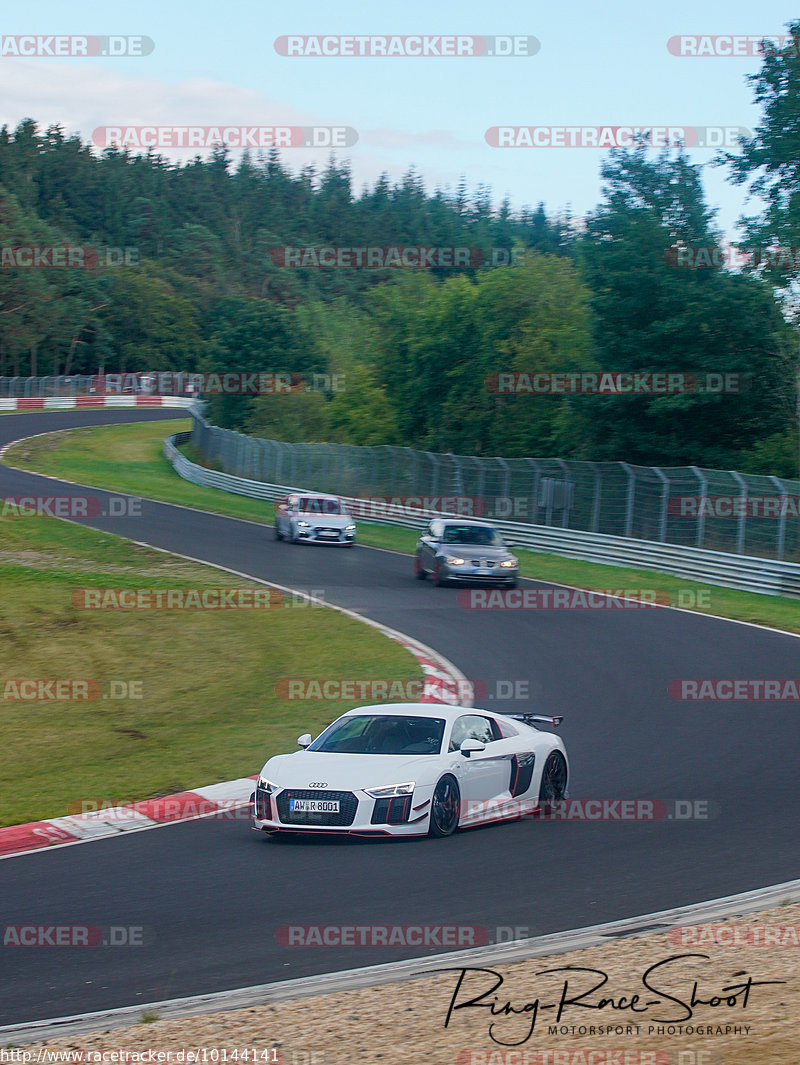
(228, 800)
(218, 800)
(443, 683)
(91, 402)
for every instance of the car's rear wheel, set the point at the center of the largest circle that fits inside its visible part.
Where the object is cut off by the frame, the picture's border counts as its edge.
(444, 807)
(553, 786)
(419, 572)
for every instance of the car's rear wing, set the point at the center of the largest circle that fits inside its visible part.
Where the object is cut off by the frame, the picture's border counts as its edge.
(535, 720)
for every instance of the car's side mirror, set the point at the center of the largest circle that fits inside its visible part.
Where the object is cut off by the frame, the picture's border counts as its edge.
(304, 740)
(470, 747)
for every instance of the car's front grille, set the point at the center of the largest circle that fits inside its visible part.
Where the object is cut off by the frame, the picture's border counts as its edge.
(348, 804)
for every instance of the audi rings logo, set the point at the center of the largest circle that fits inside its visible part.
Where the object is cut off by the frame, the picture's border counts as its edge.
(318, 784)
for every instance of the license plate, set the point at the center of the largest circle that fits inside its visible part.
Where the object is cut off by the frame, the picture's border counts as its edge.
(328, 532)
(314, 806)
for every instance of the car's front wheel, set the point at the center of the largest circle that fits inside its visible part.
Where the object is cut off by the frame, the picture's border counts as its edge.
(553, 786)
(419, 572)
(444, 807)
(278, 533)
(438, 579)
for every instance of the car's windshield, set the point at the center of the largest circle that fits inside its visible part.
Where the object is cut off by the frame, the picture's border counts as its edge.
(381, 734)
(320, 506)
(474, 535)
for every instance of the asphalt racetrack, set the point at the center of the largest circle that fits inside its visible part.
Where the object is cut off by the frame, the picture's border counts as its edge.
(213, 895)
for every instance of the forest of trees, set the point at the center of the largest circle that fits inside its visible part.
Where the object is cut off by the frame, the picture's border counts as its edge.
(187, 276)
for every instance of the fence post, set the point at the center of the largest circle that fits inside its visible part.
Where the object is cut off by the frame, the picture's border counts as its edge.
(743, 516)
(662, 518)
(630, 500)
(435, 466)
(566, 494)
(782, 526)
(701, 519)
(535, 491)
(506, 484)
(597, 497)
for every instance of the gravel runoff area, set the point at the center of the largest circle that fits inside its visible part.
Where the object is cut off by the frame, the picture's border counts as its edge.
(405, 1022)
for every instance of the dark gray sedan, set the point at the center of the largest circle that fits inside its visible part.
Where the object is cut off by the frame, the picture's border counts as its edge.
(460, 549)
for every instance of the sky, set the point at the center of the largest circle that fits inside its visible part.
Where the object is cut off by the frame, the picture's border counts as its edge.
(587, 65)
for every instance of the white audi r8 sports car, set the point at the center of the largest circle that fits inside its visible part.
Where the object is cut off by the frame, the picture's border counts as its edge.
(408, 769)
(312, 517)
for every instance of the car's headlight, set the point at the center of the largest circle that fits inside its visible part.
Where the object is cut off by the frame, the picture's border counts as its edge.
(390, 791)
(267, 785)
(509, 563)
(454, 561)
(349, 528)
(304, 524)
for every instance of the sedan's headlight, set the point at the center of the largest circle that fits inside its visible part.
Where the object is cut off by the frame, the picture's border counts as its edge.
(349, 528)
(390, 791)
(267, 785)
(454, 561)
(510, 563)
(304, 524)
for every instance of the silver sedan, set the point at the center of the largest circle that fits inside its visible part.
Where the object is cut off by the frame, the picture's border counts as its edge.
(464, 550)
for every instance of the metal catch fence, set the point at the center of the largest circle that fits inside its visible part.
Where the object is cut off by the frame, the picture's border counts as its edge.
(717, 510)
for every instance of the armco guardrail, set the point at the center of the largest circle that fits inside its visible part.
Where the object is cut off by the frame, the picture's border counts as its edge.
(34, 403)
(711, 510)
(744, 572)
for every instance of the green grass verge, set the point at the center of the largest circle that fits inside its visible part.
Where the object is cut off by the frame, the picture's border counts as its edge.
(129, 458)
(204, 705)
